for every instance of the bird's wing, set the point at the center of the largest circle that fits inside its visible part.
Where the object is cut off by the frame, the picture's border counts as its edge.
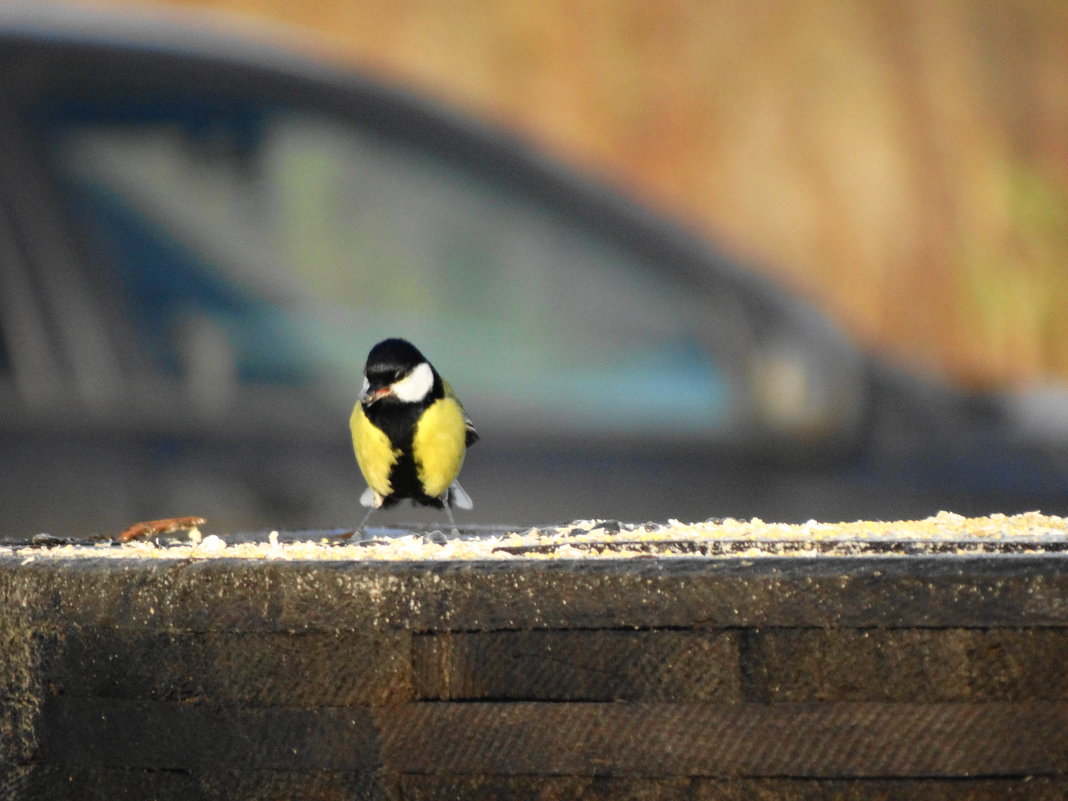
(472, 433)
(471, 436)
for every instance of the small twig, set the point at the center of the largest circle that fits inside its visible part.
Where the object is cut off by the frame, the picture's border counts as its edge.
(167, 525)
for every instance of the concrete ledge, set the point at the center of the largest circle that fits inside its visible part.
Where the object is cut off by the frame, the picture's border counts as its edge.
(849, 678)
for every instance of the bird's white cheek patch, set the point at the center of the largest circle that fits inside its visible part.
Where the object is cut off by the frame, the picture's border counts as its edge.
(415, 386)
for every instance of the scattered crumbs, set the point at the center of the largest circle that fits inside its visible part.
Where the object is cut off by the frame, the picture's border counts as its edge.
(944, 534)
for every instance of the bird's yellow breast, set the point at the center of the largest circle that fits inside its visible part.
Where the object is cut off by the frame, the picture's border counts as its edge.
(375, 454)
(438, 445)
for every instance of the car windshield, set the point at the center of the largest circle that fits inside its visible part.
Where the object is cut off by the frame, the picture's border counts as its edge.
(280, 243)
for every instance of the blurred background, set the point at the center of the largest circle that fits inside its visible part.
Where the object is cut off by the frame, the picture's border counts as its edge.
(902, 164)
(681, 259)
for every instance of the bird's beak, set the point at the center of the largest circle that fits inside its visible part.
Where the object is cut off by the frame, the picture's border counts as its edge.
(372, 395)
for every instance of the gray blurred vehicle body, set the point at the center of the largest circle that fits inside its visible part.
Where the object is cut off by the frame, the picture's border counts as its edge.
(200, 239)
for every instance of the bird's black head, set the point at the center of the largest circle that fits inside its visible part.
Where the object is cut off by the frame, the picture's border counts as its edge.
(397, 371)
(392, 357)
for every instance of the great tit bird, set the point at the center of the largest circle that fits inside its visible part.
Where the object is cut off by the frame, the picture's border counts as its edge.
(409, 431)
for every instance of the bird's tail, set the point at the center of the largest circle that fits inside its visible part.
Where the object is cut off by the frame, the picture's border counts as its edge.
(457, 496)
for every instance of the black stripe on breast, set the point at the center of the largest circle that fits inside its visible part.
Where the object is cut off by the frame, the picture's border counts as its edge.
(398, 421)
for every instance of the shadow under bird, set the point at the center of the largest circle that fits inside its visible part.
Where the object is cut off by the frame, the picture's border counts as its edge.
(410, 432)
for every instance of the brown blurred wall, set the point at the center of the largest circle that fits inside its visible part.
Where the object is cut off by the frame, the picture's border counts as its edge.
(904, 163)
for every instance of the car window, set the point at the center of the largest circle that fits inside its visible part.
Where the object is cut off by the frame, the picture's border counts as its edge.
(277, 244)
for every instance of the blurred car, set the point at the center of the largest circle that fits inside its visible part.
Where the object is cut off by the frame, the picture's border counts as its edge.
(201, 237)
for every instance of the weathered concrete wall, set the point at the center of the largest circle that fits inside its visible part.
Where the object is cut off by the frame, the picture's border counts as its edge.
(852, 678)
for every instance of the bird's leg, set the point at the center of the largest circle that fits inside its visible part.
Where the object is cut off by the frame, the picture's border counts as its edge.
(448, 511)
(362, 528)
